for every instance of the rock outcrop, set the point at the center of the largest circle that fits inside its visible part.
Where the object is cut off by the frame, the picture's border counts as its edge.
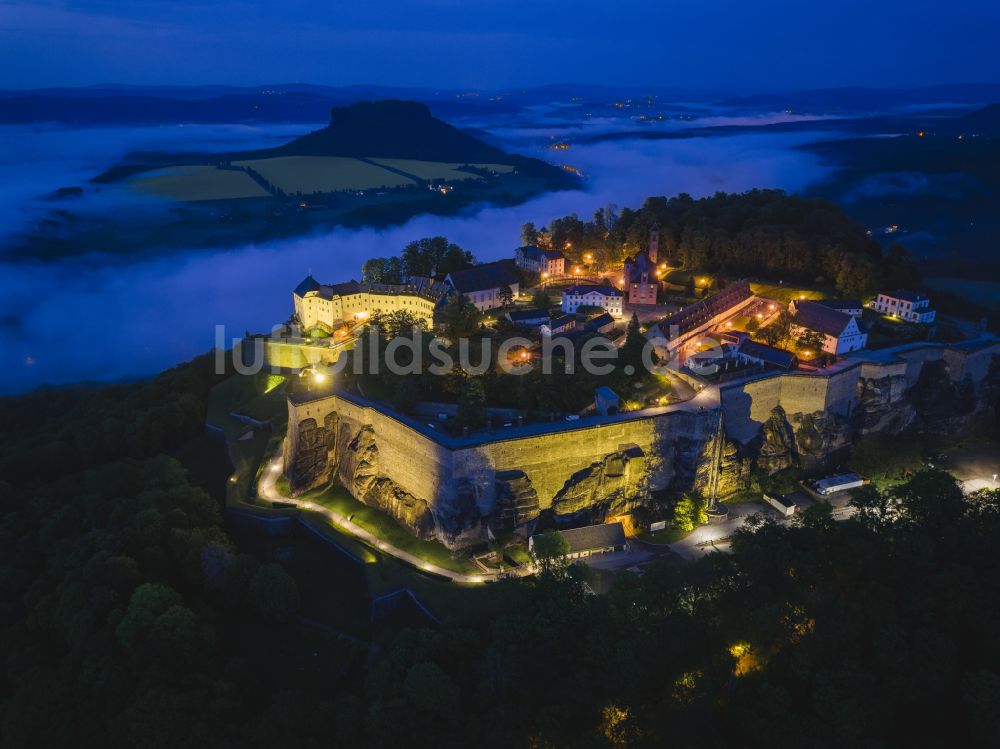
(820, 436)
(609, 483)
(722, 468)
(777, 448)
(363, 475)
(311, 463)
(516, 501)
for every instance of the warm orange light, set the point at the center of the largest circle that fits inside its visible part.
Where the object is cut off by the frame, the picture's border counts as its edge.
(770, 306)
(760, 316)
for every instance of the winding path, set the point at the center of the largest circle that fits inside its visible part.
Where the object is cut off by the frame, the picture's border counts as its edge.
(268, 489)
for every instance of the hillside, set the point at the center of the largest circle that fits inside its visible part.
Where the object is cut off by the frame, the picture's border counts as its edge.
(389, 129)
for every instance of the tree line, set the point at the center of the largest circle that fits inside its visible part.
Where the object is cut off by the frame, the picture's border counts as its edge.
(758, 233)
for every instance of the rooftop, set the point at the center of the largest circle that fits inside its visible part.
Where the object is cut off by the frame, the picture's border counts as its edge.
(906, 296)
(604, 289)
(594, 537)
(416, 285)
(483, 277)
(816, 316)
(600, 321)
(522, 315)
(841, 304)
(769, 354)
(536, 253)
(701, 312)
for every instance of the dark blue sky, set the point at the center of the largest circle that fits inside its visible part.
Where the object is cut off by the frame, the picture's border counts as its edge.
(743, 45)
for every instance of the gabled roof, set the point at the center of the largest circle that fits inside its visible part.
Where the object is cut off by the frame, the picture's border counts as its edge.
(523, 315)
(906, 296)
(600, 321)
(605, 289)
(483, 277)
(841, 304)
(701, 312)
(816, 316)
(307, 285)
(342, 289)
(560, 320)
(769, 354)
(536, 253)
(594, 537)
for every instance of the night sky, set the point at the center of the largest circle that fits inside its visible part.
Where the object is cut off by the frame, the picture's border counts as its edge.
(732, 45)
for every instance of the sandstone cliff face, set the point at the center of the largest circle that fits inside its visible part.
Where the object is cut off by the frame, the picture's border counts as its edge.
(609, 484)
(516, 501)
(311, 464)
(883, 406)
(819, 436)
(364, 473)
(936, 404)
(777, 448)
(721, 469)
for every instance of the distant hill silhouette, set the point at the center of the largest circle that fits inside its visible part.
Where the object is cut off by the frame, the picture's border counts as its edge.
(985, 121)
(391, 129)
(382, 129)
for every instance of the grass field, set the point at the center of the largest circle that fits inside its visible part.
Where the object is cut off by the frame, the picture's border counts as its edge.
(386, 528)
(196, 183)
(432, 170)
(783, 293)
(309, 174)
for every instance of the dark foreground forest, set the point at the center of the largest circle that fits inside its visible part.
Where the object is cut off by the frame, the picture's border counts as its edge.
(130, 618)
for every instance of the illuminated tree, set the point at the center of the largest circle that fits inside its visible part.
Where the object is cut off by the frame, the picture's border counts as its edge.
(550, 550)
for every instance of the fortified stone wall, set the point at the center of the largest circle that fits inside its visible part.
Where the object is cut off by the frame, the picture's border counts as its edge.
(451, 488)
(447, 487)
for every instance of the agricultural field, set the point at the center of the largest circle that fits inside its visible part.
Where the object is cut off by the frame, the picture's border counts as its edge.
(309, 174)
(197, 183)
(432, 170)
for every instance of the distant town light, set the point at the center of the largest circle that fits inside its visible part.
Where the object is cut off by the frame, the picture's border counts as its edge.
(319, 378)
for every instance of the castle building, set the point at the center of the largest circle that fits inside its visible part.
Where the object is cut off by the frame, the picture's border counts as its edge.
(841, 332)
(535, 260)
(606, 297)
(906, 305)
(328, 305)
(639, 280)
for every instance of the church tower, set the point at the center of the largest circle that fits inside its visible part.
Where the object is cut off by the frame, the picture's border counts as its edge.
(654, 244)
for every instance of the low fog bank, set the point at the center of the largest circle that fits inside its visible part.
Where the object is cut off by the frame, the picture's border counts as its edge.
(80, 320)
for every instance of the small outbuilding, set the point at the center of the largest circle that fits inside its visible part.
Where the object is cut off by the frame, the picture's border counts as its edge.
(782, 504)
(842, 482)
(593, 539)
(606, 401)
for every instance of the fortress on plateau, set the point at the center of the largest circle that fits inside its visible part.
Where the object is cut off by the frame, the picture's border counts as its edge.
(457, 488)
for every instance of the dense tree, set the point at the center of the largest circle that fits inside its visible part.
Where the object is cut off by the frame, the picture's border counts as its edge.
(811, 340)
(382, 270)
(689, 513)
(762, 233)
(550, 550)
(459, 317)
(471, 412)
(630, 356)
(541, 300)
(435, 257)
(506, 296)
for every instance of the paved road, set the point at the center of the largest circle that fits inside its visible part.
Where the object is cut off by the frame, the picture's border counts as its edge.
(268, 489)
